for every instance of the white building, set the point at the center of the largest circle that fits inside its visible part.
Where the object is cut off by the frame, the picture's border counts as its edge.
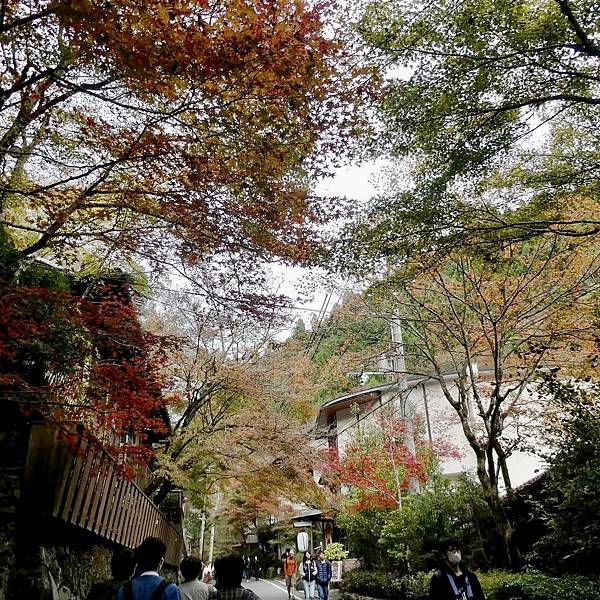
(339, 418)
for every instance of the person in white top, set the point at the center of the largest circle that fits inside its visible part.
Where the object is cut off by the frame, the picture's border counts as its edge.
(192, 588)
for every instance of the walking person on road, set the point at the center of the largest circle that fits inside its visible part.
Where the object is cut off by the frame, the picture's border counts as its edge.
(229, 571)
(290, 566)
(452, 581)
(308, 572)
(192, 588)
(149, 585)
(323, 576)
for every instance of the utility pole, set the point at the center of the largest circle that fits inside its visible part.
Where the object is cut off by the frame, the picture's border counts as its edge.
(399, 366)
(215, 513)
(202, 528)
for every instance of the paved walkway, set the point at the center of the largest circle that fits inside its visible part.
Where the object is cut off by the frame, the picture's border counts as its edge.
(274, 589)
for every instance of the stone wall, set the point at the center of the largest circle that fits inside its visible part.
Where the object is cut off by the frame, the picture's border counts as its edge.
(39, 560)
(13, 445)
(64, 572)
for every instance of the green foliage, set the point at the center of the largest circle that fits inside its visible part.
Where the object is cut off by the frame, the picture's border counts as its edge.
(336, 551)
(411, 535)
(9, 255)
(572, 509)
(406, 539)
(463, 93)
(362, 530)
(497, 585)
(500, 585)
(376, 584)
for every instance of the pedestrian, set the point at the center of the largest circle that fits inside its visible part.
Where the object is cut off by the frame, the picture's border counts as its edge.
(290, 566)
(308, 572)
(323, 576)
(192, 588)
(122, 565)
(149, 585)
(452, 581)
(228, 580)
(255, 568)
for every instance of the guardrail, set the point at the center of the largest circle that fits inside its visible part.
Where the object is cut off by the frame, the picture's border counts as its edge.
(83, 485)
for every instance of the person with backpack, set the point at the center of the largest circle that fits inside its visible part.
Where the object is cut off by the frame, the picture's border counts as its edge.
(308, 572)
(229, 571)
(290, 566)
(149, 585)
(452, 581)
(122, 565)
(323, 577)
(192, 588)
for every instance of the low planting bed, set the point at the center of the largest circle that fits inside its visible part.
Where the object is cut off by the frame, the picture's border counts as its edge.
(497, 585)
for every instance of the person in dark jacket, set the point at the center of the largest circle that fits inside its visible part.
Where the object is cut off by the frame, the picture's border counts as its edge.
(324, 574)
(122, 565)
(308, 572)
(452, 581)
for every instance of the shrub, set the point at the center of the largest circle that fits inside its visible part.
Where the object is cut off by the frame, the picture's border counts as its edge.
(499, 585)
(362, 530)
(411, 535)
(335, 551)
(376, 584)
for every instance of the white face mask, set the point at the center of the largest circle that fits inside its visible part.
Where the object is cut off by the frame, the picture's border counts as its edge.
(454, 557)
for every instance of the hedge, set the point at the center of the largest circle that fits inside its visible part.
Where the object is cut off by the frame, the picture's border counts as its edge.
(497, 585)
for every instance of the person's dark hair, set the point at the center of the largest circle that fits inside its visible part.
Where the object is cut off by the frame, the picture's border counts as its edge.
(309, 556)
(229, 571)
(122, 564)
(321, 551)
(149, 554)
(447, 542)
(191, 568)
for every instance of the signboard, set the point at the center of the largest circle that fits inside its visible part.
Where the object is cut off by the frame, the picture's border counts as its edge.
(336, 570)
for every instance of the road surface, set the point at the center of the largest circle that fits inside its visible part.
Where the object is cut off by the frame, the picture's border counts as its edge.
(274, 589)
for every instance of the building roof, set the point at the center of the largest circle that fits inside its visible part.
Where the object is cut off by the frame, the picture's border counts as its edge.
(412, 381)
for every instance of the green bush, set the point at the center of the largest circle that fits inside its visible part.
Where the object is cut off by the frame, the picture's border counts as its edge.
(362, 530)
(376, 584)
(499, 585)
(335, 551)
(411, 535)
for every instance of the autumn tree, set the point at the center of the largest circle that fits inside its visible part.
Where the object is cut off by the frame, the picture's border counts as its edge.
(166, 129)
(72, 350)
(499, 320)
(171, 134)
(239, 425)
(378, 463)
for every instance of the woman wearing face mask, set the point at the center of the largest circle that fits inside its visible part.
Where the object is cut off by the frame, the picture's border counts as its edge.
(452, 581)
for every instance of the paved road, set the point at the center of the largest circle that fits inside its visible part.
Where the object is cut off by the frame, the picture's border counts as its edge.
(274, 589)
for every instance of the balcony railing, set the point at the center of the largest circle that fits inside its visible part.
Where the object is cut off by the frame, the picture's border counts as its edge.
(82, 484)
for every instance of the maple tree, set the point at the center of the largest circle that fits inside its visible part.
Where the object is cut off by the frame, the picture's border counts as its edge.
(378, 464)
(172, 128)
(73, 351)
(514, 311)
(177, 134)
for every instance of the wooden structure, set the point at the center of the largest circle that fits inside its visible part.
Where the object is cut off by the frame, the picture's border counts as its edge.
(81, 484)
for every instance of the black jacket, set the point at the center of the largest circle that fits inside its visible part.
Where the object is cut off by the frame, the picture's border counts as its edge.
(440, 587)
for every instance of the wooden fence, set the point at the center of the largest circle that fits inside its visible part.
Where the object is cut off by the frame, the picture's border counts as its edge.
(82, 484)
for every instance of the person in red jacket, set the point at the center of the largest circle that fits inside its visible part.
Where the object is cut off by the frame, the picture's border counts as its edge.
(452, 581)
(290, 566)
